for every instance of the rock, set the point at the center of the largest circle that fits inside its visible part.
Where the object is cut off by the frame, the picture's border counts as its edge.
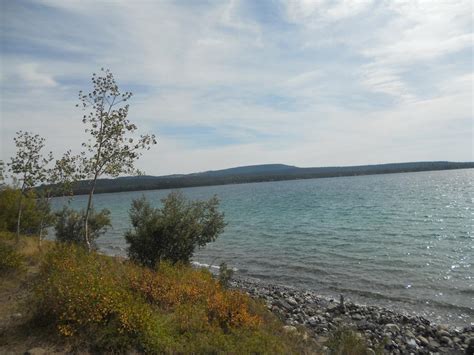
(470, 347)
(291, 301)
(443, 333)
(283, 304)
(434, 344)
(36, 351)
(332, 307)
(357, 316)
(313, 321)
(409, 334)
(423, 340)
(392, 327)
(446, 340)
(411, 344)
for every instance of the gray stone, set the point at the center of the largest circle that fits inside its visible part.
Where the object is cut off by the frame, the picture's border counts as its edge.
(434, 344)
(409, 334)
(356, 316)
(332, 307)
(446, 340)
(443, 333)
(313, 321)
(283, 304)
(292, 301)
(392, 327)
(423, 340)
(411, 343)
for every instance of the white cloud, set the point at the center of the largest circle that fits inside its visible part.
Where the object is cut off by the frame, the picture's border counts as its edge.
(31, 75)
(330, 82)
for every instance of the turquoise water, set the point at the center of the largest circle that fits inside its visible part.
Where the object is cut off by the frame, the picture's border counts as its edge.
(404, 241)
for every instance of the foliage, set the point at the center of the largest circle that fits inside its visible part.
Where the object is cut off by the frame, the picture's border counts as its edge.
(2, 174)
(28, 166)
(344, 341)
(225, 275)
(69, 225)
(10, 259)
(32, 211)
(111, 148)
(174, 231)
(114, 305)
(80, 294)
(63, 175)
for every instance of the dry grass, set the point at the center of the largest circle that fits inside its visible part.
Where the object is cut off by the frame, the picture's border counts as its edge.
(16, 337)
(97, 303)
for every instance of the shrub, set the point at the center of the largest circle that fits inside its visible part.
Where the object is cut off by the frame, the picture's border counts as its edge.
(10, 259)
(174, 231)
(116, 306)
(344, 341)
(175, 286)
(32, 211)
(81, 293)
(225, 275)
(70, 225)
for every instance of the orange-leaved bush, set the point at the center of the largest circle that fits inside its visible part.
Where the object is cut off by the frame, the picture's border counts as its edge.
(113, 305)
(175, 285)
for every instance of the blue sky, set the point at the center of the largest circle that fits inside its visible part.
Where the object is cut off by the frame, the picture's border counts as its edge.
(228, 83)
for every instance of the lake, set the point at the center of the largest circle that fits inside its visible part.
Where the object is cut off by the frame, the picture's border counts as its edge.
(403, 241)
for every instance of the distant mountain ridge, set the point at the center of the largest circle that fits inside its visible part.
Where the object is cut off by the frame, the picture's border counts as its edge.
(258, 173)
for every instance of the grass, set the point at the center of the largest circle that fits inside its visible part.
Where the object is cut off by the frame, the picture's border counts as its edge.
(64, 299)
(71, 300)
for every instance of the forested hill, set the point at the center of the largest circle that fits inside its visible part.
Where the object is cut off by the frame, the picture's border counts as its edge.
(258, 173)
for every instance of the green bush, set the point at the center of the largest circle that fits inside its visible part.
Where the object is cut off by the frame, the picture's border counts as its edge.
(83, 294)
(225, 275)
(345, 341)
(109, 305)
(10, 259)
(32, 211)
(70, 225)
(173, 232)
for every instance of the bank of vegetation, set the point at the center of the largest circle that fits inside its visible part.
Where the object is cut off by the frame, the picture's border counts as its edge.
(65, 296)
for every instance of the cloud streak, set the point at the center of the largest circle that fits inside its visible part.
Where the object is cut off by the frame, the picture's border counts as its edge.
(242, 82)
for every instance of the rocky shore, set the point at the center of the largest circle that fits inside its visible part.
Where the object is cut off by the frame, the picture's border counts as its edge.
(395, 332)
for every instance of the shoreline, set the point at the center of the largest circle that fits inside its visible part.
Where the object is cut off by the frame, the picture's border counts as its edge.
(401, 333)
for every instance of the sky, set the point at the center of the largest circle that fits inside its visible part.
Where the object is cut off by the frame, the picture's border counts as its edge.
(231, 83)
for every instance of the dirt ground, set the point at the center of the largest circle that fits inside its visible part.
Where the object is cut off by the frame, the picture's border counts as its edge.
(16, 336)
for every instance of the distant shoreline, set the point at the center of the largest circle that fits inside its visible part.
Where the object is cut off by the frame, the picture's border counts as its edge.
(258, 173)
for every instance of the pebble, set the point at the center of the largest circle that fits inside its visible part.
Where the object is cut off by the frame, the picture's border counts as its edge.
(400, 333)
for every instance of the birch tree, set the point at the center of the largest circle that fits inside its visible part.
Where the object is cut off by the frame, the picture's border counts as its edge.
(28, 166)
(2, 175)
(59, 181)
(112, 147)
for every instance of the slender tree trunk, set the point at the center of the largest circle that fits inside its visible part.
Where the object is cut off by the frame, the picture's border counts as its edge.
(86, 218)
(18, 221)
(40, 237)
